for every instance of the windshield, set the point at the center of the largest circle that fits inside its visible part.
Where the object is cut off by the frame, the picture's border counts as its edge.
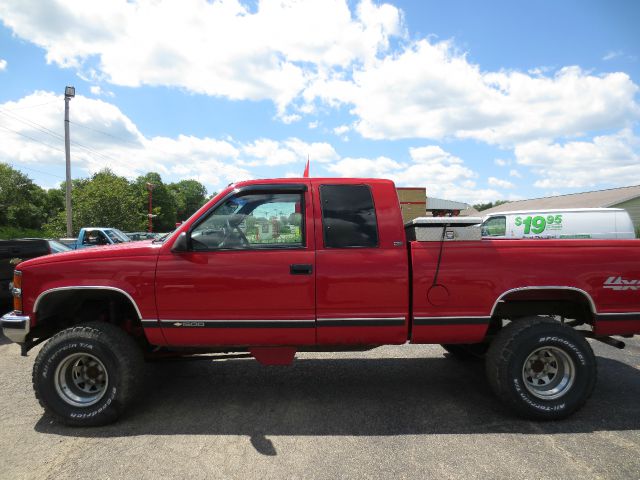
(57, 247)
(163, 237)
(116, 236)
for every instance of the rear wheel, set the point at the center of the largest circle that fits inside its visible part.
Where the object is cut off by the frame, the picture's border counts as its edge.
(541, 369)
(87, 375)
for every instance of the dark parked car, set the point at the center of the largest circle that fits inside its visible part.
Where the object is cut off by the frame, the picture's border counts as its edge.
(13, 252)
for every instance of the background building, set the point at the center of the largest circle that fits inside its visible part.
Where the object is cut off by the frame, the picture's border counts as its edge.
(413, 202)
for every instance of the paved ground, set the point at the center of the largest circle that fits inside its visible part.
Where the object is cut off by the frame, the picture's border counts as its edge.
(394, 412)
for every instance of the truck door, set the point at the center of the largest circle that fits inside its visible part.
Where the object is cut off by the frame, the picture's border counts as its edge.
(248, 277)
(362, 263)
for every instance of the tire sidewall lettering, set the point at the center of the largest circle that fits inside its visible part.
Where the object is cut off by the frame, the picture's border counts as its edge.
(563, 342)
(53, 359)
(557, 405)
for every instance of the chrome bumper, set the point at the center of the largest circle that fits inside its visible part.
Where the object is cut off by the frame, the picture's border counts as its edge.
(15, 326)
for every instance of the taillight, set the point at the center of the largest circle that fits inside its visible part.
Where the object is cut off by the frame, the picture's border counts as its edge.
(16, 290)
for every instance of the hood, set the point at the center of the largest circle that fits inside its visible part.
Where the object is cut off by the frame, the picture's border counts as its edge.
(128, 249)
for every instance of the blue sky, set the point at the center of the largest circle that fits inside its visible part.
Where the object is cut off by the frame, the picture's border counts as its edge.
(477, 101)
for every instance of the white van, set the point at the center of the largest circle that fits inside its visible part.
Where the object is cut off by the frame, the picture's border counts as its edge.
(561, 223)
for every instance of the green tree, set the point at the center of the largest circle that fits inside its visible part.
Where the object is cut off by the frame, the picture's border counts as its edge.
(23, 204)
(163, 202)
(104, 200)
(486, 206)
(189, 196)
(54, 203)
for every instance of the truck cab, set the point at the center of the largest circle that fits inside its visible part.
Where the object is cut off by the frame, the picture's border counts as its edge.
(290, 261)
(94, 237)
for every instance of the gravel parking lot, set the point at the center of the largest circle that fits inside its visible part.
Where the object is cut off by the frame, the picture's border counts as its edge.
(393, 412)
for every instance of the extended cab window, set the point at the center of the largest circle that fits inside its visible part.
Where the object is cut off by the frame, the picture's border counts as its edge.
(254, 220)
(348, 216)
(495, 227)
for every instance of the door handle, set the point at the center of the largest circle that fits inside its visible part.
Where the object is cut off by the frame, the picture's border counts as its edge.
(300, 269)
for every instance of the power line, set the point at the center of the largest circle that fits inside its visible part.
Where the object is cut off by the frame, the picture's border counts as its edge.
(30, 138)
(50, 132)
(146, 147)
(39, 171)
(47, 131)
(33, 106)
(104, 133)
(31, 123)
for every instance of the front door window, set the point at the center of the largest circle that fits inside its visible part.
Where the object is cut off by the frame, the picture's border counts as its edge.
(253, 221)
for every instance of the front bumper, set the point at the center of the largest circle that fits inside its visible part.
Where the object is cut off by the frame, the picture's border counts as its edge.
(15, 326)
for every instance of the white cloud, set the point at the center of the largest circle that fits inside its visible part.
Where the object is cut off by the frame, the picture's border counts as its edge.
(612, 54)
(501, 162)
(443, 174)
(98, 91)
(219, 48)
(515, 173)
(497, 182)
(304, 54)
(431, 91)
(432, 154)
(273, 153)
(381, 167)
(605, 160)
(288, 119)
(341, 130)
(102, 136)
(35, 137)
(3, 64)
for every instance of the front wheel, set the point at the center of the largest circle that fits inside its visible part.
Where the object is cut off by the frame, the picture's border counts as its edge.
(541, 369)
(87, 375)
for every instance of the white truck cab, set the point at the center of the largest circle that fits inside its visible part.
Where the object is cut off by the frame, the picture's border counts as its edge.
(597, 223)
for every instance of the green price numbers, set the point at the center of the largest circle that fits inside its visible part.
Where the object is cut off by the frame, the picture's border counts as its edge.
(537, 224)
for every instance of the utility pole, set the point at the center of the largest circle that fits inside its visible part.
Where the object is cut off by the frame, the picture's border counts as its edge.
(69, 93)
(150, 188)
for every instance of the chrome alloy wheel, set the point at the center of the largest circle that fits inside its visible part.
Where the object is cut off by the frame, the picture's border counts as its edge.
(81, 379)
(548, 373)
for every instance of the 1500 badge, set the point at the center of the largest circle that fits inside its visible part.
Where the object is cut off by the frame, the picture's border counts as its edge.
(619, 283)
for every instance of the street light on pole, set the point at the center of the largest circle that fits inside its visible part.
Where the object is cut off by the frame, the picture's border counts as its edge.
(69, 93)
(150, 187)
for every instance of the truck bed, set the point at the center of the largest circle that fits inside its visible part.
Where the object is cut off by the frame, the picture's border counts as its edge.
(476, 278)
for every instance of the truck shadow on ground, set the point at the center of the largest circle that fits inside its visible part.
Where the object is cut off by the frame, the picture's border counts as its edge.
(347, 397)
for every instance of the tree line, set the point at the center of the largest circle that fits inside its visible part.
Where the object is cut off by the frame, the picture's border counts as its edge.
(105, 199)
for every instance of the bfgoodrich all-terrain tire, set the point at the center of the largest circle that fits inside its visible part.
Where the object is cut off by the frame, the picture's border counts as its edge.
(87, 375)
(541, 369)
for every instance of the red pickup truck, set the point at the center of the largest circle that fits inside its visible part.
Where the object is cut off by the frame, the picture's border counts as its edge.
(272, 267)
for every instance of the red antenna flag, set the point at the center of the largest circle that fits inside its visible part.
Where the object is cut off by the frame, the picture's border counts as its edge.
(306, 169)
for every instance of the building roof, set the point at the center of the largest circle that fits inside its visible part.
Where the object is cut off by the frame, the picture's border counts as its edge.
(597, 199)
(442, 204)
(471, 212)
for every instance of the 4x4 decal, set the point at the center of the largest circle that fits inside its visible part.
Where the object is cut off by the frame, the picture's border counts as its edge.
(619, 283)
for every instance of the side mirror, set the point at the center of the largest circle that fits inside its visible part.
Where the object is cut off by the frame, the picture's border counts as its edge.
(181, 244)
